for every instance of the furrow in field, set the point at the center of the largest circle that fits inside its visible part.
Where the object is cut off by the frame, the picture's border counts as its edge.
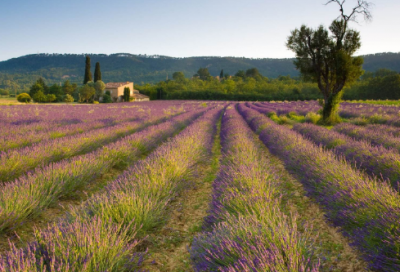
(258, 219)
(16, 162)
(376, 161)
(29, 196)
(168, 245)
(101, 235)
(367, 211)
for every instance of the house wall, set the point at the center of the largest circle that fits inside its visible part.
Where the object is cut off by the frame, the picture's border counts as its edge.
(117, 92)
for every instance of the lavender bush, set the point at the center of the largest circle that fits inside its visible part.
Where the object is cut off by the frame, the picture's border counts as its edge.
(29, 196)
(367, 211)
(246, 229)
(375, 160)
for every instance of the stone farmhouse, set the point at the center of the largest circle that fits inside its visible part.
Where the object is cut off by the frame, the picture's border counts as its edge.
(116, 90)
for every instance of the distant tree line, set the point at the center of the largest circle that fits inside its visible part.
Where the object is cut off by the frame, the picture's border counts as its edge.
(250, 85)
(17, 75)
(89, 92)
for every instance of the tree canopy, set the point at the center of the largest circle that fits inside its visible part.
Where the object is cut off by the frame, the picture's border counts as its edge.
(327, 57)
(203, 73)
(88, 73)
(97, 72)
(86, 93)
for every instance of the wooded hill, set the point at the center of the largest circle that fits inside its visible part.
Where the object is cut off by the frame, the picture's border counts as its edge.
(23, 71)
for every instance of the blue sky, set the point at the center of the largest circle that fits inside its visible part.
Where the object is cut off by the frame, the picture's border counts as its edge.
(179, 28)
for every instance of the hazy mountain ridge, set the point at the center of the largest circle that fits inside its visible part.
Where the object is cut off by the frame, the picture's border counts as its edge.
(143, 68)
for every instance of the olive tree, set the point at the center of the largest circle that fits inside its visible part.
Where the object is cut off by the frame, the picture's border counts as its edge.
(99, 86)
(327, 57)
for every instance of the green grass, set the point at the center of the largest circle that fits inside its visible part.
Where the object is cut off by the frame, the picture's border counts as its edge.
(378, 102)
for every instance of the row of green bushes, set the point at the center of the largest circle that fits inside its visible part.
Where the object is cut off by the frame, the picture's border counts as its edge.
(383, 84)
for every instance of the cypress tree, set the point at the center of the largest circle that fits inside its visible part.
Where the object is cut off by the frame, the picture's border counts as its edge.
(97, 72)
(221, 75)
(88, 74)
(127, 94)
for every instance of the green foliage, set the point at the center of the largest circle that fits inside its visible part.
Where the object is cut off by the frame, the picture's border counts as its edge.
(88, 73)
(37, 87)
(86, 93)
(18, 74)
(4, 92)
(24, 98)
(68, 98)
(40, 97)
(68, 88)
(236, 88)
(107, 98)
(298, 118)
(383, 84)
(51, 98)
(203, 73)
(99, 86)
(241, 74)
(127, 93)
(57, 91)
(312, 117)
(97, 72)
(90, 83)
(253, 72)
(178, 76)
(327, 59)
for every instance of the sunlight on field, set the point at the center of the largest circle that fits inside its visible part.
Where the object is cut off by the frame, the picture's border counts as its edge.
(199, 186)
(9, 101)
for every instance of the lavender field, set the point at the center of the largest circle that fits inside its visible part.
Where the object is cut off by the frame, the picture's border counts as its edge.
(199, 186)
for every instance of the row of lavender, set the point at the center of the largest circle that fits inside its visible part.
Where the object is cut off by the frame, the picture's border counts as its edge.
(18, 140)
(367, 210)
(373, 113)
(20, 115)
(377, 161)
(246, 230)
(29, 196)
(30, 119)
(373, 148)
(102, 233)
(15, 162)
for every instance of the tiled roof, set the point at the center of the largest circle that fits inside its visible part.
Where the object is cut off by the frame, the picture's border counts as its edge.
(139, 96)
(117, 84)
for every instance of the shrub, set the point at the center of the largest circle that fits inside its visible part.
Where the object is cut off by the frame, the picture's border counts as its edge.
(312, 117)
(68, 99)
(40, 97)
(4, 92)
(107, 98)
(95, 102)
(131, 98)
(127, 92)
(24, 98)
(51, 98)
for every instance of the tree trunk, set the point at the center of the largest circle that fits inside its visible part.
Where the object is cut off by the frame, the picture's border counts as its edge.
(330, 110)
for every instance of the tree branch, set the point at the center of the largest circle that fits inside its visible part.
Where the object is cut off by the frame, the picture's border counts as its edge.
(363, 8)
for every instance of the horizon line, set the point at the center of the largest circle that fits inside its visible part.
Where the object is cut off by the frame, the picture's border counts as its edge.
(165, 56)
